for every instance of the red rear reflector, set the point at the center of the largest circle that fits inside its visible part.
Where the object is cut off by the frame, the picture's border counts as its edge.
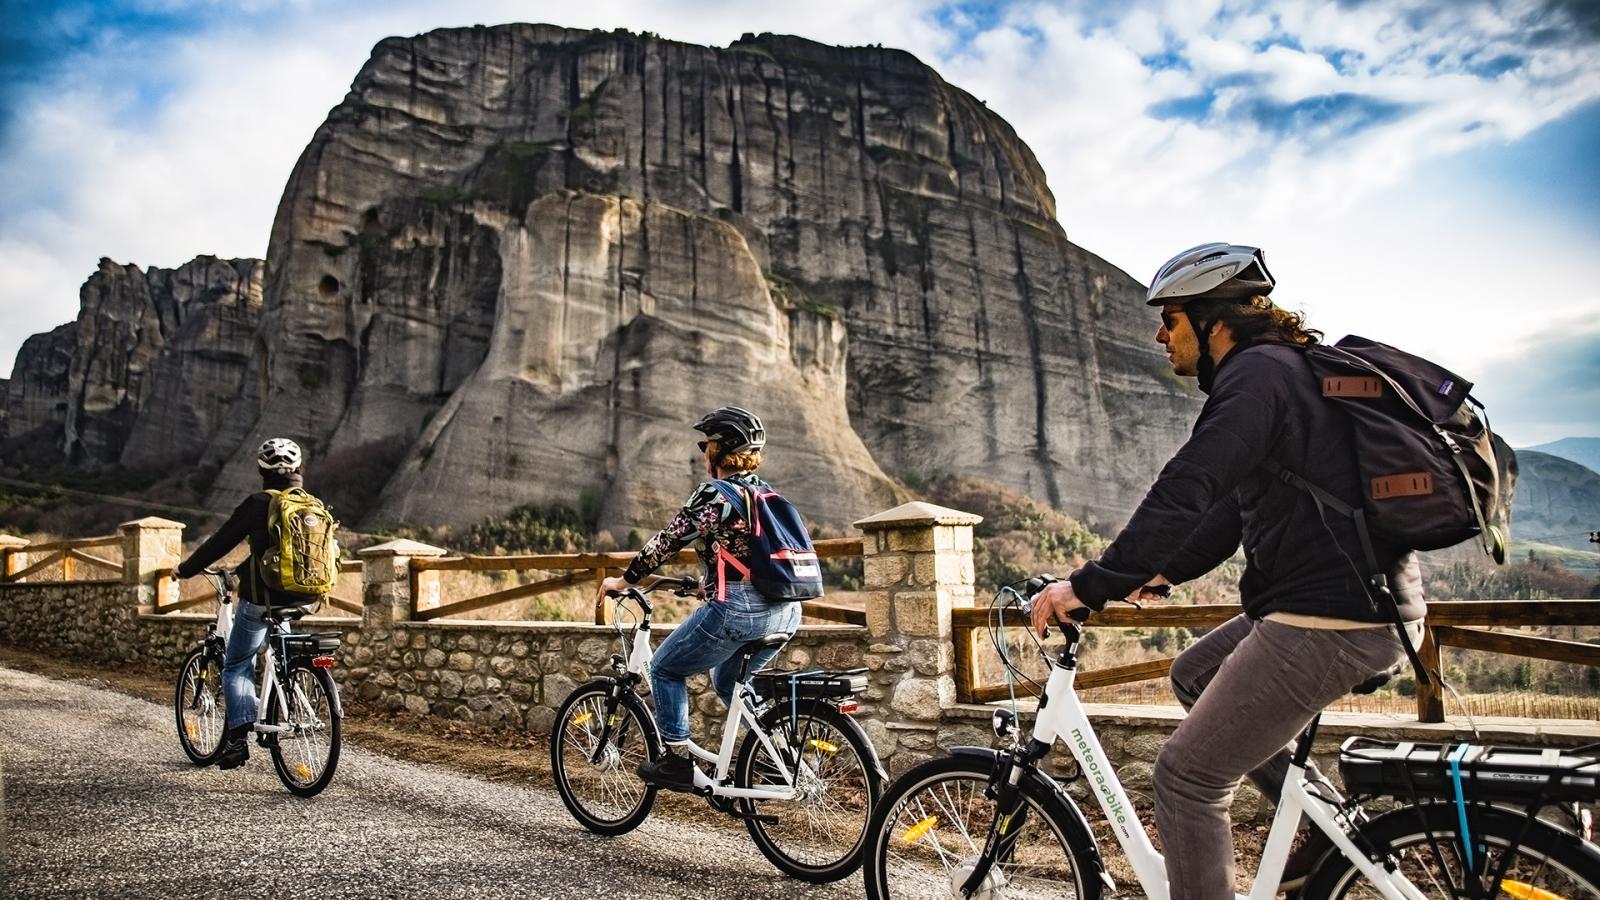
(849, 707)
(323, 662)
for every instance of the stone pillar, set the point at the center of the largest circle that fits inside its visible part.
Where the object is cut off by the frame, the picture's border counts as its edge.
(386, 583)
(917, 567)
(151, 547)
(13, 558)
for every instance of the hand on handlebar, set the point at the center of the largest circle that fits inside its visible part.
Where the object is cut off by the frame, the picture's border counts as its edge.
(616, 584)
(1055, 601)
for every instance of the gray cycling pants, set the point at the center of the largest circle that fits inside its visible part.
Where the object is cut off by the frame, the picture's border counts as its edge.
(1250, 688)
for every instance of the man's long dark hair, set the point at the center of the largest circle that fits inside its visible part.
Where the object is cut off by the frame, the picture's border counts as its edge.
(1255, 321)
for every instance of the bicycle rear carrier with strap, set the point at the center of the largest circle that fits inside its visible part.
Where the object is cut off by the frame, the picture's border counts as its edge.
(1491, 774)
(810, 684)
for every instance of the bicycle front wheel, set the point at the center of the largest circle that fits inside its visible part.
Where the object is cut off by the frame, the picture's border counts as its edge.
(1547, 862)
(306, 752)
(932, 824)
(820, 834)
(594, 754)
(199, 705)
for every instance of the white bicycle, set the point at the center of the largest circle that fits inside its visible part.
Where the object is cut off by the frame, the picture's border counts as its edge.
(803, 780)
(298, 716)
(1464, 823)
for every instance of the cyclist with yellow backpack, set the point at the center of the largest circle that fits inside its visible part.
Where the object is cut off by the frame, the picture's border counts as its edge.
(293, 562)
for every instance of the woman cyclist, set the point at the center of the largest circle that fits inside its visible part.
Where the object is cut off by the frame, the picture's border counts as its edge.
(733, 613)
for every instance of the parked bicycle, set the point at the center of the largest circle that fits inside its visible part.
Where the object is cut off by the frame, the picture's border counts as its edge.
(299, 714)
(1462, 822)
(803, 780)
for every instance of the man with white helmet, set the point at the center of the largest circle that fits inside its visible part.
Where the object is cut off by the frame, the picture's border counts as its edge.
(1309, 631)
(279, 461)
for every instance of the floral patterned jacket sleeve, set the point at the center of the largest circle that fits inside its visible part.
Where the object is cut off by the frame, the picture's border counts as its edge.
(707, 516)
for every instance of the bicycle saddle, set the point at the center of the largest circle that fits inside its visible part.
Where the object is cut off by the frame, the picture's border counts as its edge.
(777, 639)
(288, 613)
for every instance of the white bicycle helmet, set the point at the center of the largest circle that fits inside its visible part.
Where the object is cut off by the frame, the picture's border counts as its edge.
(1211, 271)
(279, 455)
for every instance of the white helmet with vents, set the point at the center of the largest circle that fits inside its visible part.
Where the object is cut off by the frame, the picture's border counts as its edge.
(279, 455)
(1211, 271)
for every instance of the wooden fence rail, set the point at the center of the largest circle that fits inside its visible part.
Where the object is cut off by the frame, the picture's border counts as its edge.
(577, 569)
(1446, 626)
(67, 554)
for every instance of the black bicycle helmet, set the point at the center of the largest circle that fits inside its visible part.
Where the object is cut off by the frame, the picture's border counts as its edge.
(733, 429)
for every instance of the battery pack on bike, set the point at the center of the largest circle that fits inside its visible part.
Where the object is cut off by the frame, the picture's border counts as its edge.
(319, 648)
(810, 684)
(1490, 774)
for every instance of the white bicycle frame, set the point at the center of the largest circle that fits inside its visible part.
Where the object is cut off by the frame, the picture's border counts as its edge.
(741, 710)
(1063, 717)
(268, 687)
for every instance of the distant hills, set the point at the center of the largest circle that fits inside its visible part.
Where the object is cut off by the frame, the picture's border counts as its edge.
(1557, 502)
(1585, 451)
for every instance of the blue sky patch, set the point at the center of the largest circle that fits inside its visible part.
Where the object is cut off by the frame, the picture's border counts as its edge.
(1335, 115)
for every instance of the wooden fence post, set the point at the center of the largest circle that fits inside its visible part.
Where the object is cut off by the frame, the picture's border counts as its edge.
(1430, 697)
(13, 558)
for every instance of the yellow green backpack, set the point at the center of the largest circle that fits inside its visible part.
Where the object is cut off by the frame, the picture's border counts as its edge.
(303, 556)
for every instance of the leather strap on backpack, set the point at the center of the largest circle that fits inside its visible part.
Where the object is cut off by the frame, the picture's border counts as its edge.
(1374, 581)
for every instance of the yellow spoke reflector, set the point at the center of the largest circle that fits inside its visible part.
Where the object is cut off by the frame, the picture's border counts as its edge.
(303, 770)
(582, 719)
(822, 746)
(918, 830)
(1527, 891)
(194, 733)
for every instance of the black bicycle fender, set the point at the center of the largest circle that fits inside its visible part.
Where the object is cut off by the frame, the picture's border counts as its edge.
(781, 710)
(1078, 822)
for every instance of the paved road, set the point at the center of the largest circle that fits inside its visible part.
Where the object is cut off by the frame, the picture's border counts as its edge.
(99, 801)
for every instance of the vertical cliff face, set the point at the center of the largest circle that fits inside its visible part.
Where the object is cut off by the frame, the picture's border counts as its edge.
(145, 373)
(869, 195)
(36, 394)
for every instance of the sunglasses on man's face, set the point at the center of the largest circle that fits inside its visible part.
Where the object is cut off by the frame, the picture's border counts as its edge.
(1169, 318)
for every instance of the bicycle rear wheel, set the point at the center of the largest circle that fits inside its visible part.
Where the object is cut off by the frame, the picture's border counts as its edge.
(1548, 863)
(820, 834)
(593, 755)
(932, 824)
(307, 752)
(200, 706)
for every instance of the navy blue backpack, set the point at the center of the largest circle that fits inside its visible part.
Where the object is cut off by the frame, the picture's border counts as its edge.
(783, 564)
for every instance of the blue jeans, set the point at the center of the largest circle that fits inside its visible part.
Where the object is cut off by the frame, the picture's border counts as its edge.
(710, 639)
(239, 661)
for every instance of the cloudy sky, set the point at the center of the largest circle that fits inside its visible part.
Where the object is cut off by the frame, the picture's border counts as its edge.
(1423, 172)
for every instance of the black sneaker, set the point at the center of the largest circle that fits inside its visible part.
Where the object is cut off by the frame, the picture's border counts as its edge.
(671, 771)
(235, 746)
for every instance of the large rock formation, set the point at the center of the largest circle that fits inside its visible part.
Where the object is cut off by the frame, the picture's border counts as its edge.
(145, 373)
(532, 255)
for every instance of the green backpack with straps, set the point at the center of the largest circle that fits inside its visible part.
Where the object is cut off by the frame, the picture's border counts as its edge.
(303, 554)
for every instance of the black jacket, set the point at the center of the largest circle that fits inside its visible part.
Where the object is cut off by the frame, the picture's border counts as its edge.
(249, 520)
(1214, 494)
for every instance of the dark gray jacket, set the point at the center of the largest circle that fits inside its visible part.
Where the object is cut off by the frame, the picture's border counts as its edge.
(1215, 495)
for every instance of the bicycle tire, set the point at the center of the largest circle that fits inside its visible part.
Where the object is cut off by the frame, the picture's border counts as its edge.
(624, 799)
(200, 705)
(1547, 859)
(834, 801)
(913, 850)
(307, 755)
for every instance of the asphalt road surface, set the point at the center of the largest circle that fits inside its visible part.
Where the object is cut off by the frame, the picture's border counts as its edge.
(99, 801)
